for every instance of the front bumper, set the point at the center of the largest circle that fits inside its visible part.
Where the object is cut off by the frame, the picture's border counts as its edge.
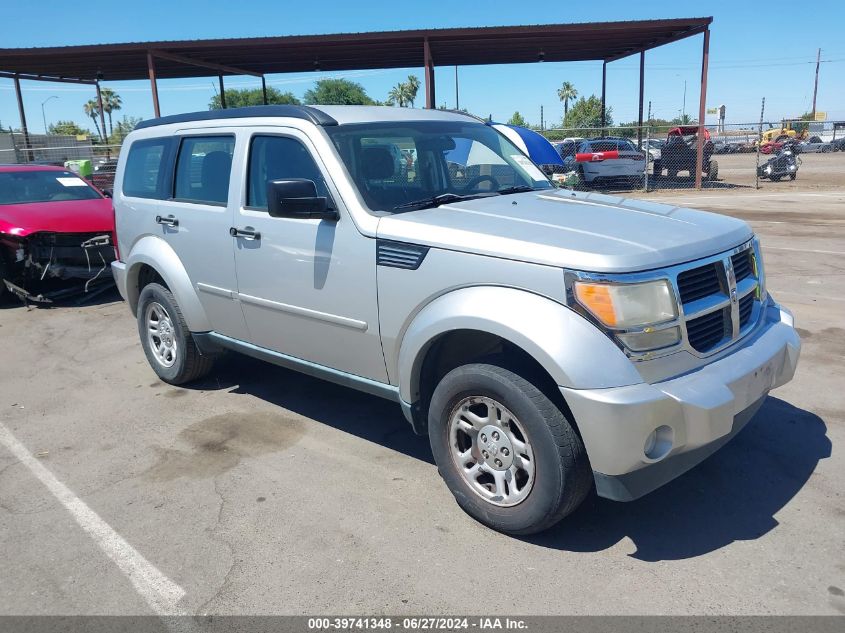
(118, 271)
(702, 410)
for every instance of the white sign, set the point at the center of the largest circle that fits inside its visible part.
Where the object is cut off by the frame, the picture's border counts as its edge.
(72, 182)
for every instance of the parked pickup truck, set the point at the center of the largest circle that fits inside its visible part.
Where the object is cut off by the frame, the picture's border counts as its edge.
(548, 342)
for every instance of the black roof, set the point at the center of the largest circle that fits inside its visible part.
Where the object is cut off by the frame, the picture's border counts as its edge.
(315, 116)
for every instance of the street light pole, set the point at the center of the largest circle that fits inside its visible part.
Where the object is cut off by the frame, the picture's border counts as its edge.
(43, 115)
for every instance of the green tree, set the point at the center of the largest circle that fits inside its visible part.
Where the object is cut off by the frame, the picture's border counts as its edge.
(238, 98)
(516, 119)
(111, 103)
(337, 92)
(684, 119)
(585, 117)
(398, 95)
(66, 128)
(566, 93)
(123, 128)
(92, 109)
(412, 86)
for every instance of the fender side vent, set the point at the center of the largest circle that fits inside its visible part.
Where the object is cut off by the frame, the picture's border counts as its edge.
(399, 254)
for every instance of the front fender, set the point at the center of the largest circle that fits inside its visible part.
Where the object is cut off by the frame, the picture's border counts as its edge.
(573, 351)
(159, 255)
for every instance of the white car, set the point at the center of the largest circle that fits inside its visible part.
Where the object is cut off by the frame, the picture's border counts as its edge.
(653, 146)
(629, 166)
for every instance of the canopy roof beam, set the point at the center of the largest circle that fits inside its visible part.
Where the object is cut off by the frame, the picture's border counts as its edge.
(190, 61)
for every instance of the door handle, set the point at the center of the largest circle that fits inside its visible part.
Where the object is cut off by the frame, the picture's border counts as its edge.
(247, 233)
(170, 220)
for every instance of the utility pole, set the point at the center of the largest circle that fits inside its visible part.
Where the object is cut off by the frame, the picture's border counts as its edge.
(542, 126)
(816, 86)
(457, 98)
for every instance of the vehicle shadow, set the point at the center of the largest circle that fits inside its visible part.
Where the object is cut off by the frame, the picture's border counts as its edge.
(732, 496)
(369, 417)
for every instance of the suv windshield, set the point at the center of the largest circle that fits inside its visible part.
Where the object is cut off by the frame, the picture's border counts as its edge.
(23, 187)
(407, 165)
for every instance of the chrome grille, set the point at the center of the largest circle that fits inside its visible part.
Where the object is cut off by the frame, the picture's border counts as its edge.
(718, 299)
(746, 305)
(698, 282)
(706, 332)
(742, 265)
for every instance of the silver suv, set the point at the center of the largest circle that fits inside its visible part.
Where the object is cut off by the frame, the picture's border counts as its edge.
(547, 341)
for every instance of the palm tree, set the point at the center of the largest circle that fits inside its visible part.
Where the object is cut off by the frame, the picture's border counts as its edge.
(412, 86)
(565, 93)
(398, 95)
(111, 103)
(92, 109)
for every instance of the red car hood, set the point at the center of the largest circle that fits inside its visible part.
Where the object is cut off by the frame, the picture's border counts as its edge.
(66, 216)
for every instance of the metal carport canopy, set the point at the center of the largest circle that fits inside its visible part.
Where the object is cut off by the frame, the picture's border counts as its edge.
(605, 41)
(260, 56)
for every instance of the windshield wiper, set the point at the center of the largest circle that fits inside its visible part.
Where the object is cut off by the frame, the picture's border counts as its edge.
(436, 201)
(517, 189)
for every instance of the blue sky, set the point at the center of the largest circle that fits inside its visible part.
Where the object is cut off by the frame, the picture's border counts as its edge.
(757, 49)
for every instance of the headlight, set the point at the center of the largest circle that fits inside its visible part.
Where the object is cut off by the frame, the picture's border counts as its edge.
(639, 308)
(623, 306)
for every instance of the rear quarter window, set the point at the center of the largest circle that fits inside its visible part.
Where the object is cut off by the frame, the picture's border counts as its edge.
(147, 171)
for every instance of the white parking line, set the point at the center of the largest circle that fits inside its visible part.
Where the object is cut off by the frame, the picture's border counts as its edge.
(159, 592)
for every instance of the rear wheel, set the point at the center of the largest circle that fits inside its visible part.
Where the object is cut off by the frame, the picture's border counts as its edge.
(713, 170)
(167, 342)
(506, 452)
(792, 176)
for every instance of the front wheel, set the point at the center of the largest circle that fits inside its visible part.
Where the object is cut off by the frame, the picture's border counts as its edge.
(167, 342)
(506, 452)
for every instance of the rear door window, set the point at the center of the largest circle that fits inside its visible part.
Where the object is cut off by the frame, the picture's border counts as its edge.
(147, 172)
(203, 169)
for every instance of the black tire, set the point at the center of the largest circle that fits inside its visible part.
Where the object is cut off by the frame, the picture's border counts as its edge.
(563, 477)
(825, 149)
(657, 169)
(713, 171)
(189, 364)
(792, 176)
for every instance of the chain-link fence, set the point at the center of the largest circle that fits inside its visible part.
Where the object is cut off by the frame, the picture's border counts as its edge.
(96, 162)
(617, 158)
(656, 157)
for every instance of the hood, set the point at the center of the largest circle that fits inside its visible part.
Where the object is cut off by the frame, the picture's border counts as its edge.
(583, 231)
(66, 216)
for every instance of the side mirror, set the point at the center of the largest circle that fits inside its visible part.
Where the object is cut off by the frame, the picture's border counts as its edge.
(297, 198)
(108, 193)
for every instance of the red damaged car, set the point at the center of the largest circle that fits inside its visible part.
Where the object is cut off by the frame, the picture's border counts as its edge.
(56, 233)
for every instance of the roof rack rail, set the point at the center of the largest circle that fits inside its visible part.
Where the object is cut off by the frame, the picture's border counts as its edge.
(315, 116)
